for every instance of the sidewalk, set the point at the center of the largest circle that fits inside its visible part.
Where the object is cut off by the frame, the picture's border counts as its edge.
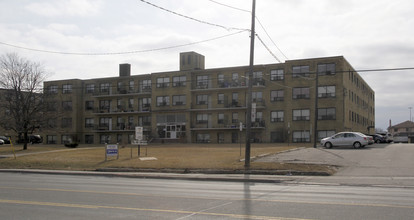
(397, 182)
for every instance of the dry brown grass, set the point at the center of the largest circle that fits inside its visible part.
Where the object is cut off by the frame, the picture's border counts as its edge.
(169, 156)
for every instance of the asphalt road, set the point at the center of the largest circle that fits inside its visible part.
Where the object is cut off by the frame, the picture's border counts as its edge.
(40, 196)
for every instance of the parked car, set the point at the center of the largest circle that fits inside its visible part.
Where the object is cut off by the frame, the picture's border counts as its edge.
(388, 137)
(401, 138)
(34, 139)
(355, 139)
(5, 139)
(378, 138)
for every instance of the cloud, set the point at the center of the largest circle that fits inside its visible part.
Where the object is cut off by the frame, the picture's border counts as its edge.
(65, 8)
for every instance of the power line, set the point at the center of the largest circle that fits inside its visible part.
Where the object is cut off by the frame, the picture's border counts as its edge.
(267, 48)
(191, 18)
(261, 25)
(271, 38)
(118, 53)
(229, 6)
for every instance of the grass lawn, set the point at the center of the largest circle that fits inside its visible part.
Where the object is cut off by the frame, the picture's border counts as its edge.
(169, 156)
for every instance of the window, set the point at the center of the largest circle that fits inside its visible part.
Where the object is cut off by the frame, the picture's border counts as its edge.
(301, 115)
(326, 91)
(121, 88)
(120, 123)
(67, 105)
(67, 88)
(301, 136)
(220, 118)
(66, 123)
(145, 104)
(220, 80)
(105, 139)
(131, 86)
(178, 99)
(104, 87)
(179, 81)
(51, 139)
(259, 117)
(277, 116)
(202, 119)
(257, 96)
(163, 100)
(90, 88)
(324, 134)
(300, 71)
(146, 85)
(300, 93)
(104, 122)
(326, 69)
(52, 89)
(203, 138)
(235, 117)
(277, 75)
(235, 77)
(89, 122)
(326, 114)
(66, 139)
(202, 82)
(88, 139)
(235, 99)
(163, 82)
(131, 122)
(220, 98)
(130, 103)
(144, 120)
(277, 95)
(202, 99)
(258, 78)
(104, 104)
(89, 105)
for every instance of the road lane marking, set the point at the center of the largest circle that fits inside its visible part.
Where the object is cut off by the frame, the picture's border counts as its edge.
(213, 198)
(83, 206)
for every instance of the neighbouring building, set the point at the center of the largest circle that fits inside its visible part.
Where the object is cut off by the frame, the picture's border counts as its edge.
(198, 105)
(402, 132)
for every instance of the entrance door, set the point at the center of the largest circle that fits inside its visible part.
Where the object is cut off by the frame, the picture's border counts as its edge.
(171, 131)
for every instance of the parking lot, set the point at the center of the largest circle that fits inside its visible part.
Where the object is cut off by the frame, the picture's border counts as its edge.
(377, 160)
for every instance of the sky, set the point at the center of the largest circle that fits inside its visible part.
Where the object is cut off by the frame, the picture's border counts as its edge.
(89, 39)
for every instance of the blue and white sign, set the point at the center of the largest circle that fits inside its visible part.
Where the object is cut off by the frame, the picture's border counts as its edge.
(112, 150)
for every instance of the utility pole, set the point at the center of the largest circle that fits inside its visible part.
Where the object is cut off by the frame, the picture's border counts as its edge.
(315, 130)
(410, 112)
(249, 90)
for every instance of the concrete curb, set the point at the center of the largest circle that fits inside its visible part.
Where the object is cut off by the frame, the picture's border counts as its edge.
(252, 176)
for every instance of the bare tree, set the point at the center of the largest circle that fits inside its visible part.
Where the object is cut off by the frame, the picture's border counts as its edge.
(21, 81)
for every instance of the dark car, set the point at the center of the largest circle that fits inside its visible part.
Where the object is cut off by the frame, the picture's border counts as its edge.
(5, 139)
(34, 139)
(378, 138)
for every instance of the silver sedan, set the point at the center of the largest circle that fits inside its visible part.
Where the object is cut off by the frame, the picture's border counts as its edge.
(355, 139)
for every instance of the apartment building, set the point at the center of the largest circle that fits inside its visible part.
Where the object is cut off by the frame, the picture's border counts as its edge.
(198, 105)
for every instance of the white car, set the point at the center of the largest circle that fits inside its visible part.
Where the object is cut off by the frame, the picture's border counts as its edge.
(355, 139)
(1, 142)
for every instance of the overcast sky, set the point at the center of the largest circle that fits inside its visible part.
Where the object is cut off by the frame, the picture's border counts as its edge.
(370, 34)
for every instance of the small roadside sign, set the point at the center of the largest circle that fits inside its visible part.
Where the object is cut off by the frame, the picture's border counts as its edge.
(138, 133)
(111, 150)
